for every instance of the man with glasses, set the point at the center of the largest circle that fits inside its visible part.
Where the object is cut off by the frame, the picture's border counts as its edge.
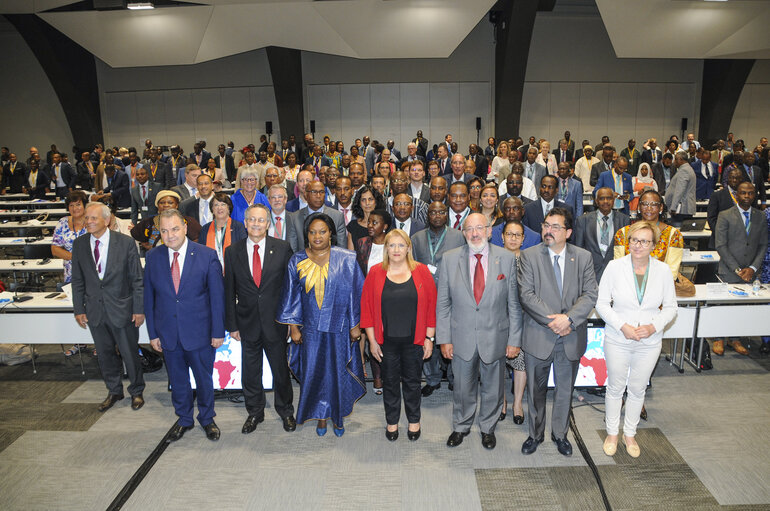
(595, 231)
(400, 184)
(478, 325)
(558, 292)
(315, 195)
(402, 215)
(513, 209)
(428, 247)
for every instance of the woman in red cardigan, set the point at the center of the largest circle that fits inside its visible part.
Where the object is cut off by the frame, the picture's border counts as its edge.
(398, 311)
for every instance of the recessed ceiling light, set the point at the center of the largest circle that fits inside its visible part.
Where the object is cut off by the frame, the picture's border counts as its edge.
(138, 6)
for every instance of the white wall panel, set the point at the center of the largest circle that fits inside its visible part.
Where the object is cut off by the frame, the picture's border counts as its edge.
(121, 125)
(207, 116)
(535, 110)
(593, 112)
(565, 111)
(386, 113)
(415, 112)
(680, 102)
(263, 109)
(355, 113)
(621, 113)
(151, 117)
(650, 113)
(180, 123)
(324, 107)
(236, 116)
(475, 101)
(759, 114)
(444, 111)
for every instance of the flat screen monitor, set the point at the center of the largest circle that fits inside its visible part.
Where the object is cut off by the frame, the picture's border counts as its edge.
(227, 367)
(593, 369)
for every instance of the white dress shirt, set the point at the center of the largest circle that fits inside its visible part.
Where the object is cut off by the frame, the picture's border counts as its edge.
(182, 253)
(407, 224)
(104, 244)
(250, 252)
(204, 212)
(547, 206)
(561, 255)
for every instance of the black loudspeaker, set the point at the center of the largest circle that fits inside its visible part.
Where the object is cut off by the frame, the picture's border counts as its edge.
(478, 123)
(269, 127)
(312, 126)
(684, 123)
(109, 5)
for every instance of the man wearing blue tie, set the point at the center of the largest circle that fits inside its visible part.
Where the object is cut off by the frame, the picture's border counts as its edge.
(618, 180)
(184, 307)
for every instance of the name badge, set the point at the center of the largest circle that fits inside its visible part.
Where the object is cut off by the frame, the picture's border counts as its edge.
(145, 208)
(432, 269)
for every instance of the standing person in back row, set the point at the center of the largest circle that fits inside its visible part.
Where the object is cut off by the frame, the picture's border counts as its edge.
(558, 291)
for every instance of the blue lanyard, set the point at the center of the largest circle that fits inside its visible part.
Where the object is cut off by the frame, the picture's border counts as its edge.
(640, 289)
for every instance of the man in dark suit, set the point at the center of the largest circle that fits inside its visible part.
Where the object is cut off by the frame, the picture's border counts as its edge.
(318, 159)
(570, 190)
(62, 176)
(458, 170)
(634, 157)
(533, 170)
(199, 156)
(280, 223)
(741, 240)
(422, 144)
(254, 275)
(343, 191)
(275, 176)
(85, 170)
(118, 187)
(479, 161)
(315, 194)
(107, 299)
(663, 171)
(143, 197)
(189, 186)
(14, 174)
(562, 153)
(706, 175)
(514, 183)
(580, 152)
(199, 207)
(513, 209)
(535, 212)
(38, 181)
(652, 155)
(722, 200)
(595, 231)
(402, 215)
(411, 155)
(558, 292)
(393, 151)
(618, 180)
(304, 178)
(746, 162)
(184, 305)
(228, 164)
(176, 164)
(604, 165)
(160, 172)
(444, 164)
(417, 187)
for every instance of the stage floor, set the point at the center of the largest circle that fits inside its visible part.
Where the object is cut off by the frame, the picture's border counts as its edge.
(705, 446)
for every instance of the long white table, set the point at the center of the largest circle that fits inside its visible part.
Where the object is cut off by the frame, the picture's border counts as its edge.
(30, 204)
(29, 224)
(20, 242)
(57, 212)
(23, 196)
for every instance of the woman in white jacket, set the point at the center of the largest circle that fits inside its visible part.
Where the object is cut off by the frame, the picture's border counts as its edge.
(636, 301)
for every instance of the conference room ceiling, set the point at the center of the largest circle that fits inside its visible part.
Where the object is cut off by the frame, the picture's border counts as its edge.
(367, 29)
(688, 29)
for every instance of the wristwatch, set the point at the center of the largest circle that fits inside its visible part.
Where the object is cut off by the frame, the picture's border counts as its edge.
(431, 339)
(571, 323)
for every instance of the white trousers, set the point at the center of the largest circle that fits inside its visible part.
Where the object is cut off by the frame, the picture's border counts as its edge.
(629, 366)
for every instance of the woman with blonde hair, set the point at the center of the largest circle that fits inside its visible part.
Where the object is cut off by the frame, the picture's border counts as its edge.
(501, 167)
(398, 311)
(636, 300)
(546, 159)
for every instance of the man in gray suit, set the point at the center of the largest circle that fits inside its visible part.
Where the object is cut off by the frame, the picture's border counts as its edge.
(741, 240)
(428, 247)
(534, 171)
(680, 192)
(558, 291)
(107, 297)
(595, 231)
(315, 194)
(478, 325)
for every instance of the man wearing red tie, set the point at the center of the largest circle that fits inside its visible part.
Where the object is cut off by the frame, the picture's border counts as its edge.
(184, 308)
(458, 205)
(254, 277)
(276, 196)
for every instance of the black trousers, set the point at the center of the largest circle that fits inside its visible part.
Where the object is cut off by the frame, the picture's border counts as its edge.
(251, 374)
(126, 338)
(401, 370)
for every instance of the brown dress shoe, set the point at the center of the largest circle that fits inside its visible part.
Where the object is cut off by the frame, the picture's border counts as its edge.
(718, 347)
(738, 347)
(137, 402)
(107, 403)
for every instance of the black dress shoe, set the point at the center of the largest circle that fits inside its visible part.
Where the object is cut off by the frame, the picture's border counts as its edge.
(530, 445)
(456, 438)
(502, 416)
(427, 390)
(289, 423)
(212, 431)
(177, 432)
(391, 435)
(765, 348)
(413, 435)
(111, 400)
(562, 445)
(137, 402)
(451, 386)
(518, 419)
(488, 440)
(251, 424)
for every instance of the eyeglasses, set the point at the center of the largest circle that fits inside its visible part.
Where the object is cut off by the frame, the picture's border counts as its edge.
(249, 179)
(649, 204)
(317, 192)
(552, 227)
(514, 235)
(638, 242)
(476, 228)
(436, 213)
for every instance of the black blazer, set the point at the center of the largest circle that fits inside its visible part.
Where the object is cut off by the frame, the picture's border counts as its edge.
(237, 232)
(229, 166)
(719, 201)
(647, 156)
(163, 174)
(17, 180)
(67, 174)
(533, 214)
(137, 213)
(83, 177)
(120, 189)
(249, 309)
(584, 236)
(120, 294)
(205, 156)
(42, 183)
(557, 154)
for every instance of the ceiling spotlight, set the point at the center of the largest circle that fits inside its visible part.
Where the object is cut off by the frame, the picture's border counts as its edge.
(138, 6)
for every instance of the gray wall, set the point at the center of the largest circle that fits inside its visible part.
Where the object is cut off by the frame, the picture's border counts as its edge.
(751, 119)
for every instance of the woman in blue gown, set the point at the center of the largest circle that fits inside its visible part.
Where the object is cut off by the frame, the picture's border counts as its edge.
(322, 305)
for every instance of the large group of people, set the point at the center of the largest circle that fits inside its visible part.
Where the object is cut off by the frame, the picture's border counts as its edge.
(433, 263)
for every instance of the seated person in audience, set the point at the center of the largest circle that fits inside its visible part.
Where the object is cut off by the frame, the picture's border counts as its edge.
(513, 210)
(248, 194)
(741, 240)
(604, 165)
(570, 190)
(38, 181)
(620, 182)
(197, 207)
(595, 231)
(147, 231)
(143, 196)
(222, 230)
(14, 175)
(535, 212)
(670, 244)
(116, 186)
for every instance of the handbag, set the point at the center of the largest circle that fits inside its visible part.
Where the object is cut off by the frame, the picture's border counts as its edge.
(684, 286)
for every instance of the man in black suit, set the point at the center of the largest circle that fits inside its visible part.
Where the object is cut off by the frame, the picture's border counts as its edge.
(652, 155)
(417, 187)
(444, 165)
(14, 175)
(199, 206)
(402, 215)
(107, 298)
(143, 197)
(479, 161)
(62, 176)
(563, 154)
(458, 170)
(393, 151)
(606, 164)
(422, 144)
(514, 183)
(595, 231)
(579, 152)
(722, 200)
(118, 187)
(411, 155)
(158, 171)
(663, 171)
(254, 273)
(85, 170)
(343, 191)
(534, 212)
(315, 192)
(38, 181)
(752, 173)
(199, 156)
(228, 164)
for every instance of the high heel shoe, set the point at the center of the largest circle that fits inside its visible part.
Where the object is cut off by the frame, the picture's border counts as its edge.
(320, 431)
(633, 450)
(392, 436)
(413, 435)
(502, 416)
(518, 419)
(339, 431)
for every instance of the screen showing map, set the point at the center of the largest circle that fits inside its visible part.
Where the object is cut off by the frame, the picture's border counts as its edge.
(227, 367)
(593, 369)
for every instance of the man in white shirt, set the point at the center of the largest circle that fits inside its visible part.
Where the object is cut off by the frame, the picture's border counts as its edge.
(344, 192)
(199, 207)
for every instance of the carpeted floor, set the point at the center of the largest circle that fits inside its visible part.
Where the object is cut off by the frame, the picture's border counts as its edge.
(704, 447)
